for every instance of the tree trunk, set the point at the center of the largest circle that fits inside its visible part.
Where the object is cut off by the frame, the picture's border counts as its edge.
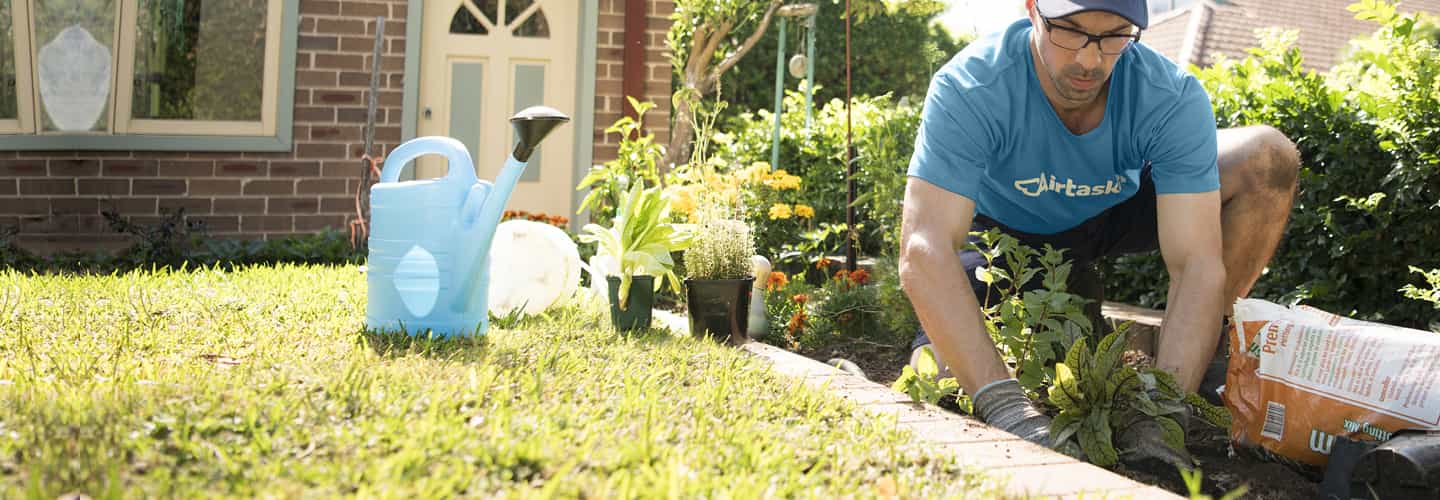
(681, 133)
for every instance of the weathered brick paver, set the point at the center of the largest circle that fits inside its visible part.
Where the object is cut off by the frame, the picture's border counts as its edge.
(1031, 470)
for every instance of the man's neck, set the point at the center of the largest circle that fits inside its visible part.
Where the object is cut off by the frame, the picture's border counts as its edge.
(1080, 118)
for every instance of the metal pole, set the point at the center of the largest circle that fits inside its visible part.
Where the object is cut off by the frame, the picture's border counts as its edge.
(810, 67)
(779, 97)
(849, 158)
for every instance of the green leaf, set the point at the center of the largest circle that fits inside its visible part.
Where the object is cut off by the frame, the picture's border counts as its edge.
(1095, 439)
(1065, 394)
(926, 365)
(1174, 435)
(1063, 427)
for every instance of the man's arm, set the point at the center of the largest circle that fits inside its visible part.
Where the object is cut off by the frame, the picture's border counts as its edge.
(934, 225)
(1190, 242)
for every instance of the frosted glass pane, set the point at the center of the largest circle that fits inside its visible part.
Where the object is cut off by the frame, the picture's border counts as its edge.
(199, 60)
(75, 40)
(9, 105)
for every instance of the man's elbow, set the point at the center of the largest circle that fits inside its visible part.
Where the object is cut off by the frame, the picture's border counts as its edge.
(912, 266)
(1207, 271)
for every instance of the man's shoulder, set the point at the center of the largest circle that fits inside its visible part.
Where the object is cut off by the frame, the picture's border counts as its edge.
(1158, 75)
(988, 65)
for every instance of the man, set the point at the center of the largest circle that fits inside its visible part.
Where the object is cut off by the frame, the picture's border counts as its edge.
(1064, 129)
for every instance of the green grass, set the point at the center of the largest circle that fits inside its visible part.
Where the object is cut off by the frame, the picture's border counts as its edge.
(263, 382)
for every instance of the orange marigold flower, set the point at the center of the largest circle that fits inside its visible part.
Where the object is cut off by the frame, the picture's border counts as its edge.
(797, 323)
(860, 276)
(841, 275)
(776, 280)
(823, 263)
(800, 298)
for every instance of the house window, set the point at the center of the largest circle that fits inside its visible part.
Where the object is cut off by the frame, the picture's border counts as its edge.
(105, 71)
(1160, 7)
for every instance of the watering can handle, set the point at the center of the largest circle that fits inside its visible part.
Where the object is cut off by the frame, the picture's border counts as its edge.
(460, 167)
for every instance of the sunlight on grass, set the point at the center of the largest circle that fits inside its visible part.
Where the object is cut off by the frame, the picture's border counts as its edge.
(263, 382)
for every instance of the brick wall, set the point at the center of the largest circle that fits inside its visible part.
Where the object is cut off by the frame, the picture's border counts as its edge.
(610, 103)
(55, 197)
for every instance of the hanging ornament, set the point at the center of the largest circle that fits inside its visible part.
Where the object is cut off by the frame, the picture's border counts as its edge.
(797, 65)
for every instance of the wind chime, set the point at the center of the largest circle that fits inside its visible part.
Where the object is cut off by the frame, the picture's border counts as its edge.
(801, 65)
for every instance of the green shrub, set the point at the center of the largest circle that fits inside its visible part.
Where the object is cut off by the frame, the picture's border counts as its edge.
(1366, 208)
(884, 136)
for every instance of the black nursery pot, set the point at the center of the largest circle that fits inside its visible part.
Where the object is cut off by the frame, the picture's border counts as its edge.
(719, 309)
(636, 315)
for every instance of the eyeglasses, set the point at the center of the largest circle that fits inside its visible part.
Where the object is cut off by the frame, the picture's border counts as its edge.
(1073, 39)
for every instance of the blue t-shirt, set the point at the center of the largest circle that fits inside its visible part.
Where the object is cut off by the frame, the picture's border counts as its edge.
(988, 133)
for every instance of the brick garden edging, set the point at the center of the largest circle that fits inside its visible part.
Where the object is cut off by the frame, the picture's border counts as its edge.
(1032, 470)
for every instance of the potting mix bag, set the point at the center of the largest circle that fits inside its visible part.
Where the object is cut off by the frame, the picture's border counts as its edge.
(1300, 376)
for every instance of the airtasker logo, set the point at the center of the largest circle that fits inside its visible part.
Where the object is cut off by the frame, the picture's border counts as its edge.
(1034, 187)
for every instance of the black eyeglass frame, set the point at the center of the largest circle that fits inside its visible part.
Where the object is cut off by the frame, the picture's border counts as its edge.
(1089, 38)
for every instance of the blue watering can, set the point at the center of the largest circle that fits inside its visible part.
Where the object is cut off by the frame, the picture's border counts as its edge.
(430, 239)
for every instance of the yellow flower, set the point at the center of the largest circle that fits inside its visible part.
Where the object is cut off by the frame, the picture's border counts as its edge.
(682, 199)
(782, 180)
(804, 211)
(780, 211)
(756, 172)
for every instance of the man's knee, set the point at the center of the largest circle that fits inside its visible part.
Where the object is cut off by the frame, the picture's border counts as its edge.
(1258, 160)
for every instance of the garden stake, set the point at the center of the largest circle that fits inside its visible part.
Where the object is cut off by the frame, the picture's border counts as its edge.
(849, 158)
(360, 227)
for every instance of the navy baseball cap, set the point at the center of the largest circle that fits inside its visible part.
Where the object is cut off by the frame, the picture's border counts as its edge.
(1134, 11)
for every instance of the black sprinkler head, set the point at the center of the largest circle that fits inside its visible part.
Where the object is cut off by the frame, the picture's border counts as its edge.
(532, 124)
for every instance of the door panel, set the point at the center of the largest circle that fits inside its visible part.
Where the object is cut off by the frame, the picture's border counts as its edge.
(484, 60)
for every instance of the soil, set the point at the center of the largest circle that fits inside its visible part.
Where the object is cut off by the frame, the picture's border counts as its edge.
(1224, 470)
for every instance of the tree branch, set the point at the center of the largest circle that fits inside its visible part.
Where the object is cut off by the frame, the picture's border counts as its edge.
(732, 59)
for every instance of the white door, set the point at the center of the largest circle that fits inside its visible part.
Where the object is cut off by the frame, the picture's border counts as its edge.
(484, 60)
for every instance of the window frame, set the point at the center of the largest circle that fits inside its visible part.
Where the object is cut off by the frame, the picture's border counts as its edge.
(24, 91)
(272, 133)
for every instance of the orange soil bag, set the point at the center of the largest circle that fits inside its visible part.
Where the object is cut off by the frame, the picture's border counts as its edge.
(1300, 376)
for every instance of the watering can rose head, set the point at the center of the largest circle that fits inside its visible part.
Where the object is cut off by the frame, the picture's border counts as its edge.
(641, 239)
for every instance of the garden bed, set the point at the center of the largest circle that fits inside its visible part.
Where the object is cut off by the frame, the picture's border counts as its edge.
(262, 382)
(1223, 471)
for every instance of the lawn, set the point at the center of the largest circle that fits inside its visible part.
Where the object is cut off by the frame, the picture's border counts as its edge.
(263, 382)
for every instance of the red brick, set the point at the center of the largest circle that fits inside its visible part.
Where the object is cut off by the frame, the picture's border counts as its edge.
(22, 168)
(239, 169)
(333, 204)
(40, 225)
(315, 78)
(269, 187)
(357, 115)
(131, 206)
(361, 44)
(319, 7)
(47, 186)
(222, 224)
(391, 99)
(25, 206)
(281, 205)
(238, 206)
(339, 61)
(257, 223)
(294, 169)
(397, 46)
(302, 61)
(392, 28)
(308, 114)
(198, 206)
(302, 97)
(355, 79)
(387, 134)
(318, 222)
(340, 26)
(211, 187)
(336, 133)
(159, 186)
(334, 97)
(128, 168)
(321, 186)
(318, 43)
(390, 63)
(187, 168)
(74, 205)
(9, 187)
(351, 8)
(307, 25)
(313, 150)
(104, 186)
(74, 168)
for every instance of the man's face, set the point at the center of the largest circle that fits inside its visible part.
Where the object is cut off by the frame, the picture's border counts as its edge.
(1077, 76)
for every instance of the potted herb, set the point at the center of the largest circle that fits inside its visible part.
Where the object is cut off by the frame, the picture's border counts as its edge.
(719, 277)
(640, 239)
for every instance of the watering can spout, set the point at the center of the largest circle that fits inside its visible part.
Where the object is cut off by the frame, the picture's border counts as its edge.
(532, 125)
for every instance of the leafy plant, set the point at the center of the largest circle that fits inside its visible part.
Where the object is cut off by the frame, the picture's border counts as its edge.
(1099, 397)
(640, 240)
(166, 243)
(720, 249)
(922, 382)
(635, 163)
(1193, 478)
(1030, 327)
(1432, 294)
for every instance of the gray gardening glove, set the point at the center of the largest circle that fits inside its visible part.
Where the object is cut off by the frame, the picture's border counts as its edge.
(1003, 404)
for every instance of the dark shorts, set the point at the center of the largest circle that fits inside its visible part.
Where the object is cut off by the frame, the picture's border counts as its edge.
(1129, 227)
